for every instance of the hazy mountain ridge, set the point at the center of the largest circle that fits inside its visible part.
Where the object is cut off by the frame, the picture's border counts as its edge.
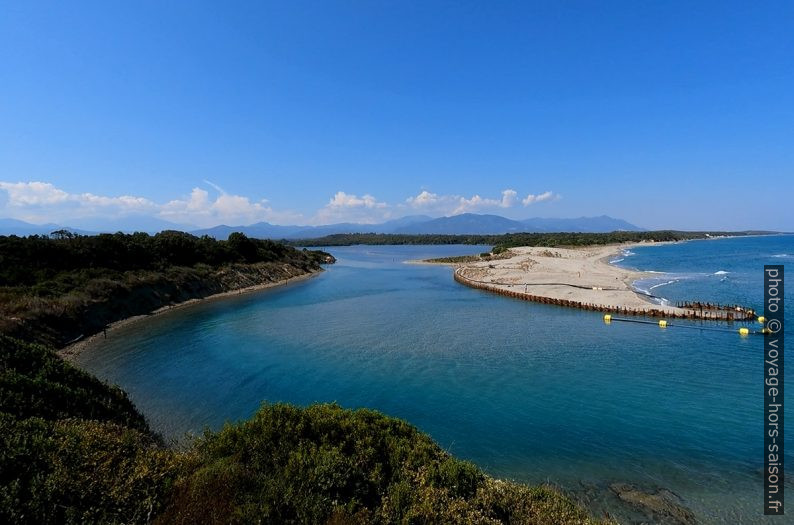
(466, 223)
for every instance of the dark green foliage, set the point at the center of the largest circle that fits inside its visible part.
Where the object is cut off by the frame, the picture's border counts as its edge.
(500, 242)
(34, 382)
(57, 289)
(73, 449)
(324, 464)
(242, 245)
(296, 465)
(26, 261)
(77, 471)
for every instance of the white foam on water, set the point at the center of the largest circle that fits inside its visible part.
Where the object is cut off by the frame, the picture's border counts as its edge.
(721, 272)
(662, 284)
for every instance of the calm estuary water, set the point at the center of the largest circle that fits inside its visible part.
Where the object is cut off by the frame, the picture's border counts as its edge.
(526, 391)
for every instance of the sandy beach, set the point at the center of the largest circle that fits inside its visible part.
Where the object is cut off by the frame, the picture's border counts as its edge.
(69, 352)
(583, 275)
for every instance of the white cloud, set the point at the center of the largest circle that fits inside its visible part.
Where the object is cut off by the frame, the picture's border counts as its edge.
(32, 193)
(198, 208)
(41, 202)
(35, 194)
(344, 200)
(545, 196)
(346, 207)
(455, 204)
(423, 199)
(477, 203)
(509, 198)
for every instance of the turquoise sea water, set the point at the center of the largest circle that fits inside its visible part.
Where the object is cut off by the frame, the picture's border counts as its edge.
(526, 391)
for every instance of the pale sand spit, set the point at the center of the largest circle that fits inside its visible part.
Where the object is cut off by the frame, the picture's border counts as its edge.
(577, 274)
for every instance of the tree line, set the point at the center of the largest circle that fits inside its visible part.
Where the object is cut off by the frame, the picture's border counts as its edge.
(27, 260)
(509, 240)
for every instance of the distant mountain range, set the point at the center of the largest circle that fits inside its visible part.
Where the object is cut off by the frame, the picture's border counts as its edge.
(466, 223)
(88, 227)
(21, 228)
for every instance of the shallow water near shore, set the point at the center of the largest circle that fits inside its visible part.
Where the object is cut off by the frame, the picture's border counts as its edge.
(527, 391)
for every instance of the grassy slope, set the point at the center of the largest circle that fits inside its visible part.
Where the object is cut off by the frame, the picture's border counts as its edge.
(74, 450)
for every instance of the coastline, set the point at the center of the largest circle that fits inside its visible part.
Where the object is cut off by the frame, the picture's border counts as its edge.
(71, 351)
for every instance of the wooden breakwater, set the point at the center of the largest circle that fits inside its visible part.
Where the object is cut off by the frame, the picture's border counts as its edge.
(687, 310)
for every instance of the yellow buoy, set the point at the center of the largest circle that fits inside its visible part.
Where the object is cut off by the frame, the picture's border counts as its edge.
(743, 331)
(607, 318)
(761, 319)
(663, 323)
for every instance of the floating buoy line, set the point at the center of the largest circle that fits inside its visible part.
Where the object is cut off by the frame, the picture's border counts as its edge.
(663, 323)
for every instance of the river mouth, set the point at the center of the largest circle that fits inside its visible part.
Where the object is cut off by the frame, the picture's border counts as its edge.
(527, 391)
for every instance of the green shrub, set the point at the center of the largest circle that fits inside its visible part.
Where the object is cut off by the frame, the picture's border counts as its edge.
(324, 464)
(35, 382)
(76, 471)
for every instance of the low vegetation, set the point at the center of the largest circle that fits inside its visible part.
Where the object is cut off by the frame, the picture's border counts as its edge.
(460, 259)
(54, 289)
(74, 450)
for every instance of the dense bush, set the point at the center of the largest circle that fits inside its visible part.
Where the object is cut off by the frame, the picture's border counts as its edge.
(72, 448)
(34, 382)
(325, 464)
(79, 471)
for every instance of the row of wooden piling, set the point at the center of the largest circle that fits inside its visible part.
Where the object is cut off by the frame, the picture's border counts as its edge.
(711, 312)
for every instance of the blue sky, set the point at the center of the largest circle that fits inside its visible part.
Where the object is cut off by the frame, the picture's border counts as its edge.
(666, 114)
